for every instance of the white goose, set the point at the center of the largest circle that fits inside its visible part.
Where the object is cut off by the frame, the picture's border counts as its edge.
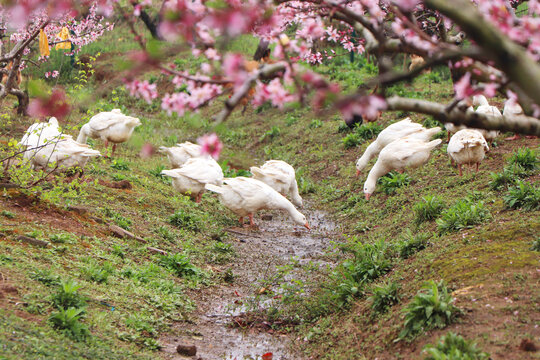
(390, 133)
(192, 177)
(485, 108)
(40, 133)
(281, 177)
(467, 146)
(181, 153)
(110, 126)
(245, 196)
(512, 109)
(398, 155)
(63, 153)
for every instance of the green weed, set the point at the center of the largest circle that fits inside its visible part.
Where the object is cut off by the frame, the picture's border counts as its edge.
(393, 181)
(96, 272)
(68, 321)
(368, 131)
(526, 158)
(428, 209)
(454, 347)
(185, 220)
(63, 238)
(7, 214)
(120, 164)
(384, 297)
(431, 308)
(118, 219)
(524, 196)
(412, 243)
(67, 296)
(315, 123)
(536, 244)
(273, 133)
(179, 264)
(45, 277)
(463, 214)
(351, 140)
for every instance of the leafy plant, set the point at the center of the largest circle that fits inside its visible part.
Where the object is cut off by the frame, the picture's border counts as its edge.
(347, 290)
(454, 347)
(315, 123)
(431, 308)
(156, 172)
(370, 262)
(45, 277)
(67, 296)
(351, 140)
(97, 272)
(120, 164)
(526, 158)
(231, 172)
(343, 127)
(428, 209)
(393, 181)
(68, 322)
(274, 132)
(118, 219)
(7, 214)
(524, 196)
(179, 264)
(498, 180)
(185, 220)
(291, 119)
(412, 243)
(536, 244)
(463, 214)
(384, 297)
(118, 250)
(62, 238)
(369, 130)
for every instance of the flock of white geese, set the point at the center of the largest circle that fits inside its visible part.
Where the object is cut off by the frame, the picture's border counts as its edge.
(401, 145)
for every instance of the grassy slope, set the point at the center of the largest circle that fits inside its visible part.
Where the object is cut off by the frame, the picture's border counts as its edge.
(490, 263)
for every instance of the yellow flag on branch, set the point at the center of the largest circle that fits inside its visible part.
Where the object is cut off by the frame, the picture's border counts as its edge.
(43, 44)
(63, 35)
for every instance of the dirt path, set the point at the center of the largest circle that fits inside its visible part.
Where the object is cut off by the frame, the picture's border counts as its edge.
(259, 253)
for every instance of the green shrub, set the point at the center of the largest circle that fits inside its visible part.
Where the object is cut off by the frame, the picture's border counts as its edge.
(412, 243)
(384, 297)
(368, 131)
(499, 180)
(291, 119)
(348, 290)
(393, 181)
(68, 322)
(429, 309)
(185, 220)
(96, 272)
(179, 264)
(343, 127)
(120, 164)
(67, 296)
(454, 347)
(428, 209)
(524, 196)
(526, 158)
(274, 132)
(463, 214)
(351, 140)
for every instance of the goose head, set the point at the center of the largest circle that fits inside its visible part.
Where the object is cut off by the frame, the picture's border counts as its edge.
(299, 218)
(369, 187)
(132, 122)
(479, 100)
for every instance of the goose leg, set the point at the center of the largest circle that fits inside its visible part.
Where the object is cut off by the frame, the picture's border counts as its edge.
(459, 168)
(241, 221)
(515, 137)
(113, 148)
(477, 164)
(198, 197)
(251, 222)
(448, 136)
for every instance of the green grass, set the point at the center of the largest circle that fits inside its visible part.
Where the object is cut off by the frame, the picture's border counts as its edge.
(454, 347)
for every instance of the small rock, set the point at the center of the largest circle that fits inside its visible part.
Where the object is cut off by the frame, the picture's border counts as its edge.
(121, 233)
(8, 289)
(186, 350)
(32, 241)
(267, 217)
(97, 219)
(527, 345)
(79, 209)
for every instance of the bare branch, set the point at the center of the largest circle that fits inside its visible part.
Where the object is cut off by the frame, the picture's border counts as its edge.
(518, 124)
(230, 104)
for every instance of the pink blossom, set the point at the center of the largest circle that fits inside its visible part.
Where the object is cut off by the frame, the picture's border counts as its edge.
(369, 107)
(55, 73)
(206, 68)
(212, 54)
(407, 5)
(463, 87)
(142, 89)
(54, 104)
(210, 145)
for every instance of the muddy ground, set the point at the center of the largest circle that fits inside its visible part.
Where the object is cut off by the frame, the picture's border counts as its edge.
(217, 329)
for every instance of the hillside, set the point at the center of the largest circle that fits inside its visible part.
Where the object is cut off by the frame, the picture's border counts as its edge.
(191, 275)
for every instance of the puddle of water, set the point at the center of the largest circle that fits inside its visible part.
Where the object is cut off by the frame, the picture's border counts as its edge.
(259, 253)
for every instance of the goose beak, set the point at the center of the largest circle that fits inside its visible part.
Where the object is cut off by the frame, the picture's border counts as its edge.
(367, 196)
(307, 226)
(357, 173)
